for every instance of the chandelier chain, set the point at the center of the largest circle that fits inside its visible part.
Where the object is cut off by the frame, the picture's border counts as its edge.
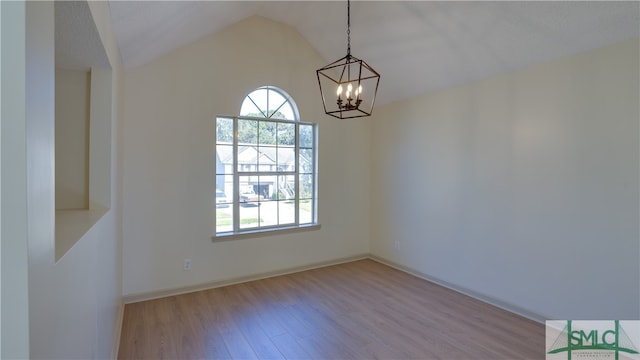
(348, 27)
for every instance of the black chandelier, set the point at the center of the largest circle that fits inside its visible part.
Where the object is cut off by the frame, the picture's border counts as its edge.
(353, 81)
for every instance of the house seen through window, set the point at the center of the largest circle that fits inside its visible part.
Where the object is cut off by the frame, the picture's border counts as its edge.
(265, 166)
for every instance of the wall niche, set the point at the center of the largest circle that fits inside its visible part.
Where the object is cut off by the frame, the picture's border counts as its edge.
(83, 101)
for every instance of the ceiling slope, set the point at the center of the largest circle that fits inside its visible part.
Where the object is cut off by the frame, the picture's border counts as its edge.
(417, 46)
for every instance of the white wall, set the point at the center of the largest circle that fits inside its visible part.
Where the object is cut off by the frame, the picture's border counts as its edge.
(169, 161)
(108, 246)
(14, 312)
(522, 188)
(0, 179)
(74, 304)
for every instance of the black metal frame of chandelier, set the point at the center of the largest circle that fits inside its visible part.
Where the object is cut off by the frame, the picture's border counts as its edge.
(344, 62)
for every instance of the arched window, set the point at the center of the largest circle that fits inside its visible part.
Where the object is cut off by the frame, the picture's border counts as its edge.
(269, 102)
(265, 166)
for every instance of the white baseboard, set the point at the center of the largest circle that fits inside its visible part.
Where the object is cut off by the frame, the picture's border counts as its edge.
(486, 299)
(133, 298)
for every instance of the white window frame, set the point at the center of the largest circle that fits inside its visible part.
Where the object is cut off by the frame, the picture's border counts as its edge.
(238, 173)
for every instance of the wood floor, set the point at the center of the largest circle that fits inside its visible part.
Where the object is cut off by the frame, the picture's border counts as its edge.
(358, 310)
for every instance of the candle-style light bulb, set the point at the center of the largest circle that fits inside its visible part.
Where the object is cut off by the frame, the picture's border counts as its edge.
(360, 90)
(339, 92)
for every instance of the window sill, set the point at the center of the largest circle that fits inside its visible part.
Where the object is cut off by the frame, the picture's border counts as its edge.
(72, 225)
(262, 233)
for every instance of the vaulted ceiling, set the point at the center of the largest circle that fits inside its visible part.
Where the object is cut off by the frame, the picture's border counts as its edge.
(417, 46)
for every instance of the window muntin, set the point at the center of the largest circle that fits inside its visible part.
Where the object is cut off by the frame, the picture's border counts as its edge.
(269, 102)
(265, 166)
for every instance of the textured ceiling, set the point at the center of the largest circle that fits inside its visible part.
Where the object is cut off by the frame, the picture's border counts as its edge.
(78, 45)
(417, 46)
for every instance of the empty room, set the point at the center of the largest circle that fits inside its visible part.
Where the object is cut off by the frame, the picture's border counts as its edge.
(320, 180)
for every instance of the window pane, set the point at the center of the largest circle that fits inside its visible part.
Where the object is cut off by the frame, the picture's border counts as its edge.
(306, 160)
(249, 109)
(247, 131)
(247, 158)
(228, 187)
(285, 112)
(249, 216)
(267, 132)
(289, 186)
(224, 210)
(286, 159)
(306, 186)
(306, 211)
(224, 130)
(224, 189)
(286, 189)
(222, 199)
(287, 195)
(267, 158)
(287, 212)
(286, 134)
(249, 202)
(224, 220)
(265, 187)
(248, 186)
(259, 97)
(269, 213)
(275, 105)
(224, 159)
(306, 136)
(266, 192)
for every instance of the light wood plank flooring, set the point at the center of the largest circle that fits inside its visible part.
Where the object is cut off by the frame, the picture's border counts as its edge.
(358, 310)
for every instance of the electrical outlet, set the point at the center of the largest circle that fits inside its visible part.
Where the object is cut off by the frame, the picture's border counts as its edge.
(187, 264)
